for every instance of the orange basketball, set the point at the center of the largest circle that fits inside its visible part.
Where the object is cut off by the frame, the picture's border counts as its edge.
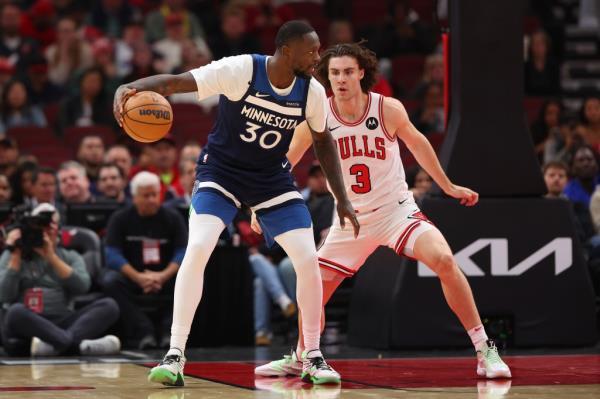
(147, 116)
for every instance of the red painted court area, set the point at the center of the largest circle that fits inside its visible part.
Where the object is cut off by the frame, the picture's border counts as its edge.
(423, 372)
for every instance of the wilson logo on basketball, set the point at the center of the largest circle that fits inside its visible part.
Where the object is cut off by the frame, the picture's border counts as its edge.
(157, 113)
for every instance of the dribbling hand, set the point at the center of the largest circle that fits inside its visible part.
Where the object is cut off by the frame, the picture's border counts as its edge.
(346, 210)
(121, 96)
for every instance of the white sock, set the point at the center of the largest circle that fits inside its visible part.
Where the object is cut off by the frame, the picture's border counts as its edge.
(203, 236)
(478, 336)
(300, 247)
(283, 301)
(175, 351)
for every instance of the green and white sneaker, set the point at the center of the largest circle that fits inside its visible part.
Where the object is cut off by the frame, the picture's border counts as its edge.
(489, 363)
(290, 365)
(170, 370)
(315, 370)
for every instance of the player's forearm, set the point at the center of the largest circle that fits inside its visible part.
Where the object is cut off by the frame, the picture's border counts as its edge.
(427, 158)
(330, 163)
(165, 84)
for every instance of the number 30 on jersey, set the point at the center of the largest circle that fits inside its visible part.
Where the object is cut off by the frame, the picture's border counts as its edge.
(266, 141)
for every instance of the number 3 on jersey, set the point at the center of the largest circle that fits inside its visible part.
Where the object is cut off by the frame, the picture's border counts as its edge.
(251, 135)
(363, 178)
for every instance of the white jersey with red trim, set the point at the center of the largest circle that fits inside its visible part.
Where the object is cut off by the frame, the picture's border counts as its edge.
(370, 157)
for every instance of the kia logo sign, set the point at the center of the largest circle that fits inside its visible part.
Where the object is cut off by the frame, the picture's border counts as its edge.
(561, 248)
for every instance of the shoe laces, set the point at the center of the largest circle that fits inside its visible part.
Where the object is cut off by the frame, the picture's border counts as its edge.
(492, 353)
(318, 363)
(170, 359)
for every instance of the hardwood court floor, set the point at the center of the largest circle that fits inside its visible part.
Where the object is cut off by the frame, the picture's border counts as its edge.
(536, 377)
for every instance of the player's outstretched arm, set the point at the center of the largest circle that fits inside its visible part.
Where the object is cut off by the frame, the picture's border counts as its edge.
(300, 142)
(396, 120)
(330, 163)
(163, 84)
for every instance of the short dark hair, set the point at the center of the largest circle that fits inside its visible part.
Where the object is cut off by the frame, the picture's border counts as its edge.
(42, 170)
(107, 165)
(292, 30)
(555, 165)
(366, 59)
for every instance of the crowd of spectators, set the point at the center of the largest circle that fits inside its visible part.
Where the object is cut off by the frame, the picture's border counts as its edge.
(60, 62)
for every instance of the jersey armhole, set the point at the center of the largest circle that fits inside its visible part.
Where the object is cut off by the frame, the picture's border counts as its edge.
(389, 136)
(255, 58)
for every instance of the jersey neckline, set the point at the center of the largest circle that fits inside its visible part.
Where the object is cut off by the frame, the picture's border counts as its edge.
(346, 123)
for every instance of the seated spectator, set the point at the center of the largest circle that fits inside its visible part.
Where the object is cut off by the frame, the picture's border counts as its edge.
(22, 184)
(144, 63)
(163, 162)
(41, 91)
(542, 76)
(38, 282)
(145, 244)
(590, 119)
(187, 177)
(421, 184)
(561, 145)
(433, 71)
(73, 184)
(430, 117)
(5, 190)
(90, 155)
(9, 155)
(234, 39)
(15, 46)
(264, 18)
(40, 23)
(171, 47)
(111, 16)
(120, 156)
(191, 151)
(155, 21)
(88, 107)
(17, 110)
(402, 33)
(69, 54)
(104, 59)
(112, 183)
(44, 187)
(133, 34)
(585, 178)
(546, 127)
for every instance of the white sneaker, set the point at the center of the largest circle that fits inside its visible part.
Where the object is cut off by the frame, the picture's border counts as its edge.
(170, 370)
(41, 348)
(489, 363)
(107, 345)
(289, 365)
(315, 370)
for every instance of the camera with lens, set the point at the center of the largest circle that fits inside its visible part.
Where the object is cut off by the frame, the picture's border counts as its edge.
(32, 228)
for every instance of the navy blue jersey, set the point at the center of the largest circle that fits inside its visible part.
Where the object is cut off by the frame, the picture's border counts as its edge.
(246, 149)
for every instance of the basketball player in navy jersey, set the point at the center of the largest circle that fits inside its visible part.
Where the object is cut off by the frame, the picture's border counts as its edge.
(367, 127)
(262, 100)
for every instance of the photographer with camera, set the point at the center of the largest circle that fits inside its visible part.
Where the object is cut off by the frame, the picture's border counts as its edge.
(38, 277)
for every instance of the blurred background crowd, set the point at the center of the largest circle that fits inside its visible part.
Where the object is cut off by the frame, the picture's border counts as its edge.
(61, 61)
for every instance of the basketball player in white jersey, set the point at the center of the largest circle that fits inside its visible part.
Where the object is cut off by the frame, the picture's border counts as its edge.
(366, 127)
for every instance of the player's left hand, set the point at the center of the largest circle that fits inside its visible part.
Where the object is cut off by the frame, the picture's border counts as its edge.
(346, 210)
(466, 196)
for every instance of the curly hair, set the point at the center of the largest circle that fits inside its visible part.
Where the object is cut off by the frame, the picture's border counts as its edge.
(366, 59)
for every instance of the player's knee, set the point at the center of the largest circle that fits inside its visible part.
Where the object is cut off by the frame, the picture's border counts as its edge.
(305, 262)
(444, 264)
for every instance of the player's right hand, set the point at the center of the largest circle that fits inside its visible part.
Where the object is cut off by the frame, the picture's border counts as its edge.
(121, 96)
(346, 210)
(255, 225)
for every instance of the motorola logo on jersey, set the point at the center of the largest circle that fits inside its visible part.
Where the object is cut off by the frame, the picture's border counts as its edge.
(372, 123)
